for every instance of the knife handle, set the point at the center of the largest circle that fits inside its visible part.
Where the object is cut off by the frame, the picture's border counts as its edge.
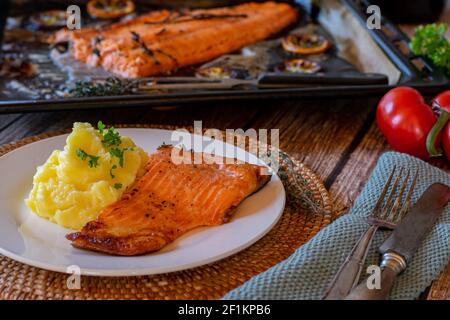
(348, 275)
(391, 265)
(323, 78)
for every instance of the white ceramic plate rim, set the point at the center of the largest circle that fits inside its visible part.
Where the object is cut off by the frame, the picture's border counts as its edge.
(139, 271)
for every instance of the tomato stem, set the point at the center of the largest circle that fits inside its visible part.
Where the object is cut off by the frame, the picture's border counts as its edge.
(434, 134)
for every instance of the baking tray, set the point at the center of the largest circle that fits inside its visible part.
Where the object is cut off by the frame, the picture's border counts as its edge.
(415, 71)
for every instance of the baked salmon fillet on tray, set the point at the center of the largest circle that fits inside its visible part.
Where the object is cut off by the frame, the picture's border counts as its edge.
(163, 41)
(169, 200)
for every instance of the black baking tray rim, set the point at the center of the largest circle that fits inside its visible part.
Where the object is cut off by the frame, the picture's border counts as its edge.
(436, 82)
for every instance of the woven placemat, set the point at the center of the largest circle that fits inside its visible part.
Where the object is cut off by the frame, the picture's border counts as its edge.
(296, 226)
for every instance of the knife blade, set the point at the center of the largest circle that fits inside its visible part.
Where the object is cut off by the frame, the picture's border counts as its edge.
(399, 248)
(413, 228)
(267, 80)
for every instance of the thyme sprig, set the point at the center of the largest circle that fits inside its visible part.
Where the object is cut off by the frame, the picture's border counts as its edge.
(110, 87)
(299, 193)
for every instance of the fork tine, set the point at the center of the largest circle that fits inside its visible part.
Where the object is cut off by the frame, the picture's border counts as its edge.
(406, 205)
(387, 206)
(377, 208)
(395, 212)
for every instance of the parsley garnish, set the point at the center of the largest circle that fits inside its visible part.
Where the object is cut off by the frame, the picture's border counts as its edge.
(92, 160)
(118, 153)
(111, 138)
(111, 171)
(430, 41)
(81, 154)
(101, 127)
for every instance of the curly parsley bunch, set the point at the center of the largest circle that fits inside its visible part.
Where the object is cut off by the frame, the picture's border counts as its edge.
(430, 41)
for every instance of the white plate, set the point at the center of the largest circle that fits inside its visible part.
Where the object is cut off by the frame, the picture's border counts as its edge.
(30, 239)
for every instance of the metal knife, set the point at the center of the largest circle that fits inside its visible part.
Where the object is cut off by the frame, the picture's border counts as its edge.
(266, 80)
(398, 250)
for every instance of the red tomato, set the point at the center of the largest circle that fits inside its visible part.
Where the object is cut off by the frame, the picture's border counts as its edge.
(442, 127)
(442, 101)
(446, 140)
(405, 120)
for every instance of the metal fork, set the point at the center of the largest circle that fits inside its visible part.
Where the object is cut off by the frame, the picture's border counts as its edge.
(383, 216)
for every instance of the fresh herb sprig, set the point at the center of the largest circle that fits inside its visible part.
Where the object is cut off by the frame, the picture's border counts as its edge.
(110, 87)
(118, 153)
(111, 171)
(101, 127)
(92, 160)
(110, 139)
(430, 41)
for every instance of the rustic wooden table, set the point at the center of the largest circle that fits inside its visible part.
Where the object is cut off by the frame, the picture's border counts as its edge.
(338, 139)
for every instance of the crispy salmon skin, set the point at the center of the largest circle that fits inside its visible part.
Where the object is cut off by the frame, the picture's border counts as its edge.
(162, 41)
(167, 201)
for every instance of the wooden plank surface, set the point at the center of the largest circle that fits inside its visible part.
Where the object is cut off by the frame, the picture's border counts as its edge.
(338, 139)
(220, 116)
(320, 134)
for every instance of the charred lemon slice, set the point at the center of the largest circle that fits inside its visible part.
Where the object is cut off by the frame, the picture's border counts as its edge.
(306, 43)
(110, 9)
(221, 73)
(301, 66)
(216, 73)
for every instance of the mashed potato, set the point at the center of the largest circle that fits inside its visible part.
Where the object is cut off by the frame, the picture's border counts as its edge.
(91, 172)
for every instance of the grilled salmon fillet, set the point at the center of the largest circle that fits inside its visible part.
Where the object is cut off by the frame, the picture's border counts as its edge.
(163, 41)
(167, 201)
